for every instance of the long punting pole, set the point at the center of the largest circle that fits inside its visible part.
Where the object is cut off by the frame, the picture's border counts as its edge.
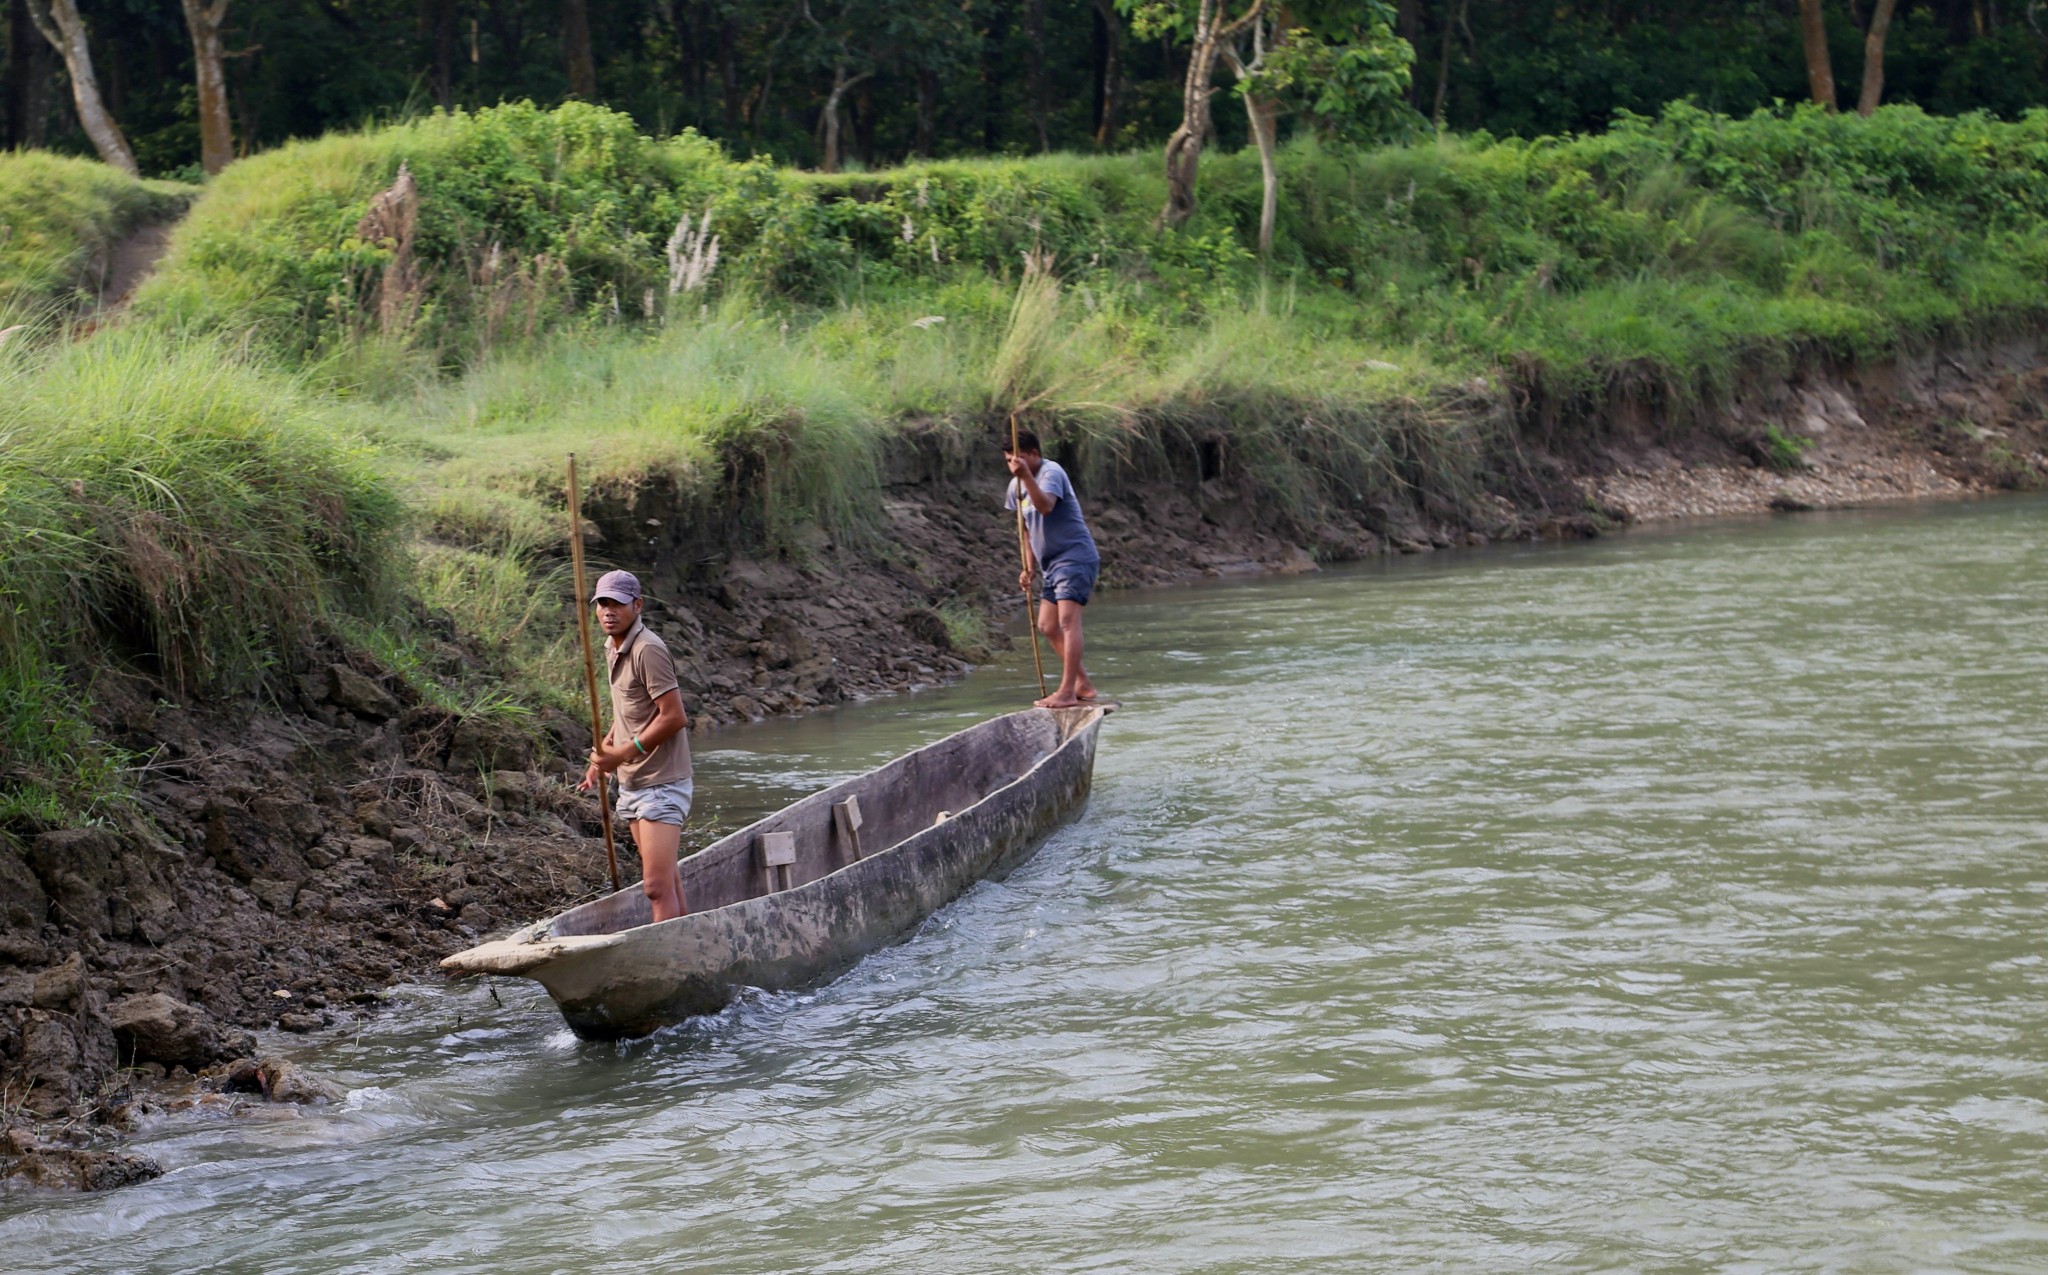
(1024, 556)
(604, 801)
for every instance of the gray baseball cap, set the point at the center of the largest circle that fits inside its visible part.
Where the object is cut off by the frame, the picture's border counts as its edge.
(619, 586)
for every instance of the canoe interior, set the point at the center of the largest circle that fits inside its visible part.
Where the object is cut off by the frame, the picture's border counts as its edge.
(898, 800)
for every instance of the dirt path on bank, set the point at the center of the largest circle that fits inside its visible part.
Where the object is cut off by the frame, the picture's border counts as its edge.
(286, 860)
(132, 261)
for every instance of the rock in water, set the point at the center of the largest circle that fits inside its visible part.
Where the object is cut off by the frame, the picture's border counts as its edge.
(288, 1082)
(157, 1028)
(63, 1169)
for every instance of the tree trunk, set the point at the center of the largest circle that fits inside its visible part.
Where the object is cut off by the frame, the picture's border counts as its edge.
(1264, 114)
(995, 73)
(1265, 118)
(576, 49)
(1873, 57)
(1036, 99)
(1957, 17)
(1443, 66)
(1184, 149)
(209, 68)
(507, 25)
(729, 76)
(927, 111)
(1820, 73)
(862, 105)
(750, 113)
(841, 82)
(1111, 99)
(61, 25)
(441, 21)
(28, 80)
(1408, 25)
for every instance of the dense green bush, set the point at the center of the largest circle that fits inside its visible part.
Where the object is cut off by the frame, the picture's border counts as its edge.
(1824, 228)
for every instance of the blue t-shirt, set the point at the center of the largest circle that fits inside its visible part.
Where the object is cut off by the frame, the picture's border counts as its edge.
(1062, 535)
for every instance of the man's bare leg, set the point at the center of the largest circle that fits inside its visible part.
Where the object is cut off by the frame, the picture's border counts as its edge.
(1064, 630)
(1070, 623)
(660, 880)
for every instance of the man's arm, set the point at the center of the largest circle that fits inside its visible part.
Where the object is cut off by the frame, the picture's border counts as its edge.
(608, 756)
(669, 720)
(1040, 501)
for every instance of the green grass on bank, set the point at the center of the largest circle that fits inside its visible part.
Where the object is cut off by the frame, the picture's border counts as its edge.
(559, 290)
(168, 502)
(799, 413)
(1568, 257)
(60, 219)
(289, 377)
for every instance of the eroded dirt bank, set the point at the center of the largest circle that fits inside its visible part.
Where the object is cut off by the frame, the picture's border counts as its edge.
(287, 859)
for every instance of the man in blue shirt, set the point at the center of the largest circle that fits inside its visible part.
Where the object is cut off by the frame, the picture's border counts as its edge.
(1062, 547)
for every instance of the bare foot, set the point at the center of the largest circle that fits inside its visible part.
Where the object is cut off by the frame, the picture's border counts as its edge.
(1087, 694)
(1058, 701)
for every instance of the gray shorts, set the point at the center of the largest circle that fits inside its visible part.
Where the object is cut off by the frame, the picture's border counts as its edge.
(1064, 581)
(663, 803)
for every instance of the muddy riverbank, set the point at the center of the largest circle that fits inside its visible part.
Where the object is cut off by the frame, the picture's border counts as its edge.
(285, 860)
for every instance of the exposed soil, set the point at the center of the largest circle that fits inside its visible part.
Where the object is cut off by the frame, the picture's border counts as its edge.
(1939, 425)
(287, 860)
(131, 262)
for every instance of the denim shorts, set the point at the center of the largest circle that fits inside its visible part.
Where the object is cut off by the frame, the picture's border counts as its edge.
(1069, 581)
(663, 803)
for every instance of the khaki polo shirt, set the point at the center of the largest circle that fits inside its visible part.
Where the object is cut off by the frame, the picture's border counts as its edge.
(642, 671)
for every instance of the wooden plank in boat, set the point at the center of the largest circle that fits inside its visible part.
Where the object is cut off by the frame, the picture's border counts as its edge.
(846, 818)
(778, 856)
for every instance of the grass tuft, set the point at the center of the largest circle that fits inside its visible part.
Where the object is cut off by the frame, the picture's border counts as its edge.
(172, 504)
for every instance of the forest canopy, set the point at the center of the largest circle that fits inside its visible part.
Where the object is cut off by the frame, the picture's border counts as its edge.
(869, 83)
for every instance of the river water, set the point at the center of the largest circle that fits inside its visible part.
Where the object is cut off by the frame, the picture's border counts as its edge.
(1669, 903)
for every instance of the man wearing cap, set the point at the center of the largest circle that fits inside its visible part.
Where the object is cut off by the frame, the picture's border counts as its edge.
(645, 747)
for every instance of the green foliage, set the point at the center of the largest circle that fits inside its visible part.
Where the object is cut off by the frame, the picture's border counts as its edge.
(60, 219)
(954, 77)
(1680, 244)
(966, 630)
(1545, 70)
(1352, 84)
(167, 503)
(1784, 452)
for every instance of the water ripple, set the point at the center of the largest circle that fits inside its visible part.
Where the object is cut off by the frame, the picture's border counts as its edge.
(1668, 904)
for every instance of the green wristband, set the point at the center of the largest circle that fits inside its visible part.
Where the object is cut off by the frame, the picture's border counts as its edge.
(637, 744)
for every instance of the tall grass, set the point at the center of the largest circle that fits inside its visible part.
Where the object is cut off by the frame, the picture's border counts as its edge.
(740, 422)
(173, 504)
(60, 219)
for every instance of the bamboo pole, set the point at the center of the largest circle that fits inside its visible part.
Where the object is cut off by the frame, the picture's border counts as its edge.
(604, 801)
(1024, 558)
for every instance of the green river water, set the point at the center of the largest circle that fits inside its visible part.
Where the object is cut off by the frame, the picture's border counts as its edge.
(1669, 903)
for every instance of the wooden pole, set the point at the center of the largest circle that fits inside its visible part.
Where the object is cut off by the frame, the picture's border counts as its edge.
(604, 801)
(1024, 558)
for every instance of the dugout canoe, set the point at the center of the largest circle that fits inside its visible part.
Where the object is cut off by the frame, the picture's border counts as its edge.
(800, 895)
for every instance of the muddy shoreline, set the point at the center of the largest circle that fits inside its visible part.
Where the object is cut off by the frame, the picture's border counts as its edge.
(287, 860)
